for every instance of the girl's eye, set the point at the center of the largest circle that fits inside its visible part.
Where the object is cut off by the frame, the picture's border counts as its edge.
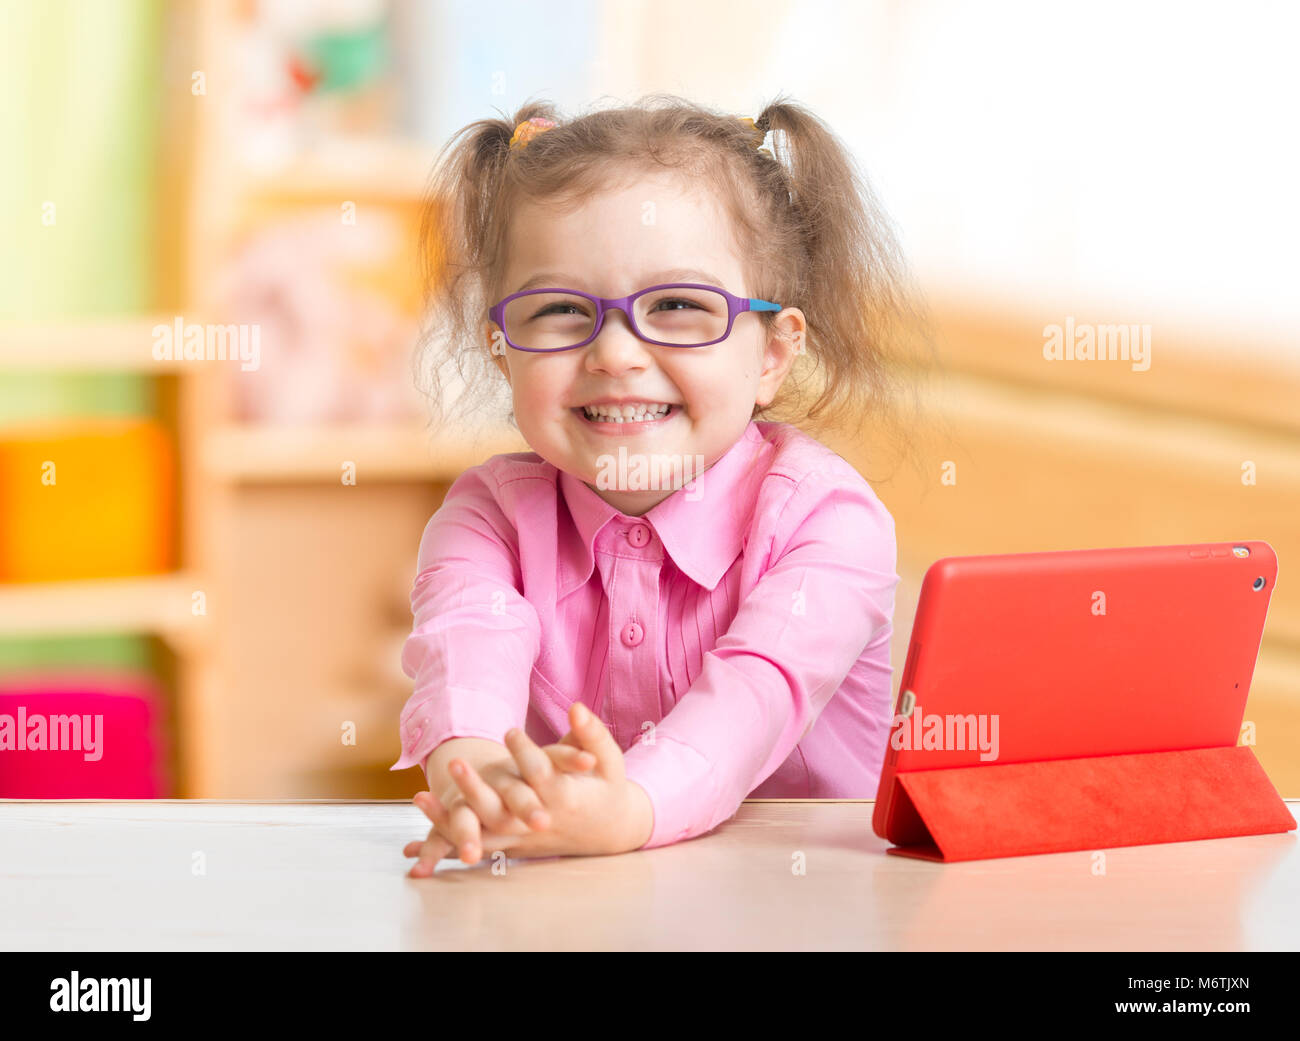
(678, 300)
(556, 309)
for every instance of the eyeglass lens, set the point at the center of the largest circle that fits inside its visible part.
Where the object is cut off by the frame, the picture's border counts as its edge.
(676, 315)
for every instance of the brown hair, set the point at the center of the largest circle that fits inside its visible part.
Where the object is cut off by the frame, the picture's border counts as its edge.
(810, 229)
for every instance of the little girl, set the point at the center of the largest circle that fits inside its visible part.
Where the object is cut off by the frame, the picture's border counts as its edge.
(670, 604)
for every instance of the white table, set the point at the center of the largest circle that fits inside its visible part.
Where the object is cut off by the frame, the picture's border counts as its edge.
(121, 875)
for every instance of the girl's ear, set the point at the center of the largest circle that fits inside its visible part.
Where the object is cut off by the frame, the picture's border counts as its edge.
(787, 340)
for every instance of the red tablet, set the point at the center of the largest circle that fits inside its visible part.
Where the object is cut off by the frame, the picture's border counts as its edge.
(1026, 657)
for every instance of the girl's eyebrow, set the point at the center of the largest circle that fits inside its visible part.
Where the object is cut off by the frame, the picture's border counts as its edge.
(554, 280)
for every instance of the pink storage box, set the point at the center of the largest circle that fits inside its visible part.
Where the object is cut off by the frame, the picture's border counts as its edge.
(114, 749)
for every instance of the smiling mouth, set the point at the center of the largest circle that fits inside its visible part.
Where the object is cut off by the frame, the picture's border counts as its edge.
(648, 417)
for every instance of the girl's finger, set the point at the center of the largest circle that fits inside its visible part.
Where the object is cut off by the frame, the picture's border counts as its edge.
(432, 850)
(465, 832)
(412, 848)
(535, 766)
(514, 794)
(479, 795)
(435, 846)
(436, 811)
(593, 736)
(570, 758)
(439, 810)
(431, 806)
(440, 847)
(460, 825)
(522, 801)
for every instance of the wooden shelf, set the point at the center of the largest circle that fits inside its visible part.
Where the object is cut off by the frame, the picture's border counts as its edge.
(158, 604)
(110, 343)
(1195, 373)
(251, 453)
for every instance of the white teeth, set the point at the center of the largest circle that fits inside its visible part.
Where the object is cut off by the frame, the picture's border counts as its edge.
(638, 413)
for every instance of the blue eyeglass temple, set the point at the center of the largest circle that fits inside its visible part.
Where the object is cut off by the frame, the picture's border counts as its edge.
(762, 305)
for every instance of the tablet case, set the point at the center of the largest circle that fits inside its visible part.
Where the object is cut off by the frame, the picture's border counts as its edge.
(1074, 801)
(1012, 810)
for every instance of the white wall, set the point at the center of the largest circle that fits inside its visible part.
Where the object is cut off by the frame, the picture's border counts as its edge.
(1127, 162)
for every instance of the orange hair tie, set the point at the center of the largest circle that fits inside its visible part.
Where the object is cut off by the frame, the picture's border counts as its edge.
(529, 129)
(759, 132)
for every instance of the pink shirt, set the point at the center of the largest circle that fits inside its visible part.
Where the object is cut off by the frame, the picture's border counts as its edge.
(745, 632)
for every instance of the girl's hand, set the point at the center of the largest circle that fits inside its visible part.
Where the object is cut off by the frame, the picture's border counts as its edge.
(589, 813)
(494, 796)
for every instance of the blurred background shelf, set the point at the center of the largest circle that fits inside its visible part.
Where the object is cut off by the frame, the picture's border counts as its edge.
(267, 454)
(108, 343)
(161, 605)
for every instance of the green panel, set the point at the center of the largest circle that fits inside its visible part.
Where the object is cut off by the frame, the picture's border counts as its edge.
(27, 395)
(108, 651)
(83, 89)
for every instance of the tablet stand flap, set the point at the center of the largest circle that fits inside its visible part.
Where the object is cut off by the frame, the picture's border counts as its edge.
(1015, 809)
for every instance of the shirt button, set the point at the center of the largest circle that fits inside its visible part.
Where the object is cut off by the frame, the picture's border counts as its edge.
(638, 535)
(633, 634)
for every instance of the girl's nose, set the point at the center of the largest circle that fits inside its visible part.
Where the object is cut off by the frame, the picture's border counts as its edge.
(617, 349)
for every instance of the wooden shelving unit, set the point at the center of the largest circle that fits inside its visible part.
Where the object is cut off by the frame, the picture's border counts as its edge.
(225, 681)
(244, 453)
(113, 343)
(308, 578)
(161, 605)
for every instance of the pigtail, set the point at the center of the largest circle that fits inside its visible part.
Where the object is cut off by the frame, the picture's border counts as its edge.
(459, 240)
(866, 327)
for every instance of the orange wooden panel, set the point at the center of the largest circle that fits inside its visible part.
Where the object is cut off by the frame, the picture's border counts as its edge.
(86, 499)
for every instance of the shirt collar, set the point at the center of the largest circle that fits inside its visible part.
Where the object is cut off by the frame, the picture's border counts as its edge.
(702, 535)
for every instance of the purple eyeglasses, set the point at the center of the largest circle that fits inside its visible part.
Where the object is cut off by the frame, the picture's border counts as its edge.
(542, 326)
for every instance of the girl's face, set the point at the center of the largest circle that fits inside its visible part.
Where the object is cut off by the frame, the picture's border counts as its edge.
(654, 231)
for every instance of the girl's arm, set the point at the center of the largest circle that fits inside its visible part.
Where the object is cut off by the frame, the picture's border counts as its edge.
(475, 637)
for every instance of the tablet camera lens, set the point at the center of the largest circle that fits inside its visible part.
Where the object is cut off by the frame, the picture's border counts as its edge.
(1259, 584)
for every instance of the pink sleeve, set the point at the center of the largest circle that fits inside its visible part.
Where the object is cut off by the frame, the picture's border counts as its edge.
(474, 637)
(788, 649)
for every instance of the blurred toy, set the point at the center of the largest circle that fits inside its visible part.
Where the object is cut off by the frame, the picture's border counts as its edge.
(332, 349)
(314, 71)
